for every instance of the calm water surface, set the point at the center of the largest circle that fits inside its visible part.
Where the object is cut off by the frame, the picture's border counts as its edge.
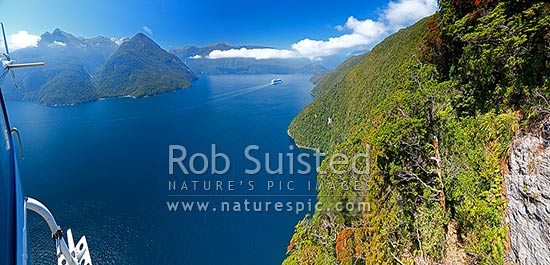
(102, 169)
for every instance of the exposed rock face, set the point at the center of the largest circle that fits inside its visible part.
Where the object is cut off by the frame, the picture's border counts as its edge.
(454, 255)
(528, 188)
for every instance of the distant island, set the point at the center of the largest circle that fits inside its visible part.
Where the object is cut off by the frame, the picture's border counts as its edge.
(80, 70)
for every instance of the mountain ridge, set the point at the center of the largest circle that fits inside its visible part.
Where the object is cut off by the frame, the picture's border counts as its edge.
(75, 70)
(197, 59)
(147, 67)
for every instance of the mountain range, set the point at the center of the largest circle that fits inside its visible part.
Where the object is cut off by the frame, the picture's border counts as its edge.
(79, 70)
(197, 59)
(85, 69)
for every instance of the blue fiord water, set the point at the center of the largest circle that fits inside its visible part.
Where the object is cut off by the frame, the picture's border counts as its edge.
(102, 169)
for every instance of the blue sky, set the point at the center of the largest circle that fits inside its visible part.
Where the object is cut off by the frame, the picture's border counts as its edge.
(295, 28)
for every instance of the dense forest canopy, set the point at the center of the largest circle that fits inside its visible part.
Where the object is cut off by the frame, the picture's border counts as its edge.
(438, 121)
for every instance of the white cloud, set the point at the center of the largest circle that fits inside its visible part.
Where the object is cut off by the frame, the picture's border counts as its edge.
(263, 53)
(196, 56)
(363, 34)
(20, 40)
(57, 44)
(148, 30)
(403, 12)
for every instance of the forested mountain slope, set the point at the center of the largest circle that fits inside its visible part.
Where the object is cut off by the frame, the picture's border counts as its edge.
(351, 100)
(436, 109)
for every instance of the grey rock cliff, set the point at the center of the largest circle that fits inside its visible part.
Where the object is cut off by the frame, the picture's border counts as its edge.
(528, 193)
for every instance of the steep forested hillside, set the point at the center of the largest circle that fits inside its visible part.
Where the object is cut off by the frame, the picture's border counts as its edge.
(140, 67)
(435, 108)
(325, 81)
(350, 101)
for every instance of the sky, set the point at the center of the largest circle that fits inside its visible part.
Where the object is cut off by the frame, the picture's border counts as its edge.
(293, 28)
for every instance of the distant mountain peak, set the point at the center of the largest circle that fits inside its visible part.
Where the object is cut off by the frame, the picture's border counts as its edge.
(140, 35)
(140, 67)
(59, 32)
(83, 69)
(143, 40)
(220, 44)
(194, 51)
(58, 36)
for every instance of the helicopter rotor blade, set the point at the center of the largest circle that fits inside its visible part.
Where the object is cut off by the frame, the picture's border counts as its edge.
(21, 65)
(5, 40)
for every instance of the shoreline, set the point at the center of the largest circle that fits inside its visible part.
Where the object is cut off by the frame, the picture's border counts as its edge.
(108, 98)
(317, 150)
(159, 93)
